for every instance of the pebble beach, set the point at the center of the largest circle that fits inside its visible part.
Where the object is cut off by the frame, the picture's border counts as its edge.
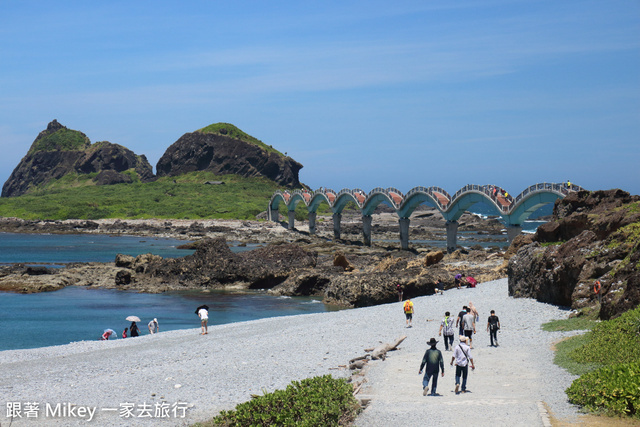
(180, 377)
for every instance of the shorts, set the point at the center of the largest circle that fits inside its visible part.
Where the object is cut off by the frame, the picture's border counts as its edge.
(409, 316)
(468, 334)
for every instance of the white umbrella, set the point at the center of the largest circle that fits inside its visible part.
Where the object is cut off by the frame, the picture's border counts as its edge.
(133, 319)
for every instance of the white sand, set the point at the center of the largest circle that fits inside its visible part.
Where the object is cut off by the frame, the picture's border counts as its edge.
(219, 370)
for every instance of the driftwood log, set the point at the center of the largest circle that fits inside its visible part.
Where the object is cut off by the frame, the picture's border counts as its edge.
(374, 353)
(380, 352)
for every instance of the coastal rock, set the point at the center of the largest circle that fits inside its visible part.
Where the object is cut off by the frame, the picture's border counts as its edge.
(224, 149)
(58, 151)
(125, 261)
(213, 265)
(304, 283)
(17, 279)
(592, 236)
(123, 277)
(339, 260)
(433, 258)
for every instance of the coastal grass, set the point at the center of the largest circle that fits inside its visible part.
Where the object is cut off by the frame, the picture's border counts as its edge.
(317, 401)
(564, 359)
(227, 129)
(572, 324)
(183, 197)
(608, 360)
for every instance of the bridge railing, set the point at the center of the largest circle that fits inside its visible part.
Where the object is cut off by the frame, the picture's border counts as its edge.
(503, 201)
(545, 186)
(488, 191)
(356, 193)
(432, 192)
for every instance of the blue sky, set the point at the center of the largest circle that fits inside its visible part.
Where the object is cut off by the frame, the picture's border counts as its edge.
(363, 94)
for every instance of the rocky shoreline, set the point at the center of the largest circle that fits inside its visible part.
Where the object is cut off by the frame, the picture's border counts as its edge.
(287, 262)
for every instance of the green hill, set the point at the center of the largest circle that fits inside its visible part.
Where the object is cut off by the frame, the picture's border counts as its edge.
(227, 129)
(182, 197)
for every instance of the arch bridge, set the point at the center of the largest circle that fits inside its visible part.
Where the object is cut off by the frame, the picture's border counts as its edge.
(513, 210)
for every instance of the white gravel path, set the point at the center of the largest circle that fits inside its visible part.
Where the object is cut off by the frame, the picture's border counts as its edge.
(217, 371)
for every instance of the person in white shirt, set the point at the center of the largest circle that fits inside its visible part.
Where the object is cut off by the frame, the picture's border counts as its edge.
(462, 357)
(153, 326)
(204, 317)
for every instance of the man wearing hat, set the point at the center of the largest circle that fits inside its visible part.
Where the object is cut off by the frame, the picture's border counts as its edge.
(153, 326)
(435, 363)
(462, 357)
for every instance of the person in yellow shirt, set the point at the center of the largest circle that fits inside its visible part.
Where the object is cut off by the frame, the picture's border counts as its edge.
(408, 312)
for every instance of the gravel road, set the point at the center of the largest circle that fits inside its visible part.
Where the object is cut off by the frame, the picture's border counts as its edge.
(179, 377)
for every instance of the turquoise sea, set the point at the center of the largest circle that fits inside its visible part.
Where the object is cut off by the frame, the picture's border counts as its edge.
(77, 313)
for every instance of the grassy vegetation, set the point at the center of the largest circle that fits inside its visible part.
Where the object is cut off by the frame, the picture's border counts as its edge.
(564, 356)
(227, 129)
(608, 358)
(573, 324)
(318, 401)
(62, 139)
(184, 197)
(545, 244)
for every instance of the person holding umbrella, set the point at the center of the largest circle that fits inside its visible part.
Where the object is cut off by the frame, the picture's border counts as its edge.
(107, 333)
(203, 314)
(133, 329)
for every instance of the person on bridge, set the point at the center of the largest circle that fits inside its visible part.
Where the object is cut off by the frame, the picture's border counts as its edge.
(435, 363)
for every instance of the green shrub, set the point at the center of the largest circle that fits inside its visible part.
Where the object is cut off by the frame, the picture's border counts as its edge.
(318, 401)
(611, 351)
(613, 341)
(614, 390)
(63, 140)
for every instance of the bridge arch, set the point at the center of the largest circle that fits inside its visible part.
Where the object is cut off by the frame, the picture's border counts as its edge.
(513, 211)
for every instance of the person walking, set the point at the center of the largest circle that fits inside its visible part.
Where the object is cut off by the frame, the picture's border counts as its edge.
(434, 364)
(474, 311)
(469, 322)
(408, 312)
(399, 291)
(446, 326)
(153, 326)
(459, 323)
(493, 325)
(134, 330)
(203, 314)
(462, 357)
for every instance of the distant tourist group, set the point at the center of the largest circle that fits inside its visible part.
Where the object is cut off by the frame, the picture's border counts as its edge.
(154, 326)
(465, 325)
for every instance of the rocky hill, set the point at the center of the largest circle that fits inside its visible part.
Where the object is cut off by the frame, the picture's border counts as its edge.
(593, 236)
(222, 148)
(58, 151)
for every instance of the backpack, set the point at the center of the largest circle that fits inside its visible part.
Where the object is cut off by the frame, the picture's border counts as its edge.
(448, 327)
(407, 307)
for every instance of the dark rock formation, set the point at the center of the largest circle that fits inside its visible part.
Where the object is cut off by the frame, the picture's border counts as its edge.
(213, 265)
(592, 236)
(224, 152)
(58, 151)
